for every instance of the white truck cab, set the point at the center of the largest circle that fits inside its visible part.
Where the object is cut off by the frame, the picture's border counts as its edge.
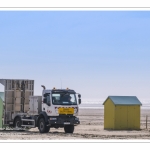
(59, 109)
(59, 102)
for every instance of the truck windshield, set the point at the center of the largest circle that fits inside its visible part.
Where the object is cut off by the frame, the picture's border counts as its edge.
(64, 99)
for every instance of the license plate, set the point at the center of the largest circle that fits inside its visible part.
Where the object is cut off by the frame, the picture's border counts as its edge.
(66, 110)
(66, 122)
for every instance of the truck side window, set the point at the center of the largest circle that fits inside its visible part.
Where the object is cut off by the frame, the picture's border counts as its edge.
(48, 100)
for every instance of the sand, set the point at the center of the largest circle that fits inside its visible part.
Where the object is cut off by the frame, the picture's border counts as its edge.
(91, 127)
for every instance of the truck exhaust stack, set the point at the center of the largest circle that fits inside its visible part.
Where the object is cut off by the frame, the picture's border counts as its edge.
(43, 87)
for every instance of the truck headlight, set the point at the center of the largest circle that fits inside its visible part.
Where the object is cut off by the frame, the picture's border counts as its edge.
(76, 119)
(75, 110)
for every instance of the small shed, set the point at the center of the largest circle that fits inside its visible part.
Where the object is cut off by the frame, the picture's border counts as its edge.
(122, 112)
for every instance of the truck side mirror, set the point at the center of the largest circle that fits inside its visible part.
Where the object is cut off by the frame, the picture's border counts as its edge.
(79, 96)
(79, 101)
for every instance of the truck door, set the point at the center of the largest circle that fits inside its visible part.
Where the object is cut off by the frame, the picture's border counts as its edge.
(47, 103)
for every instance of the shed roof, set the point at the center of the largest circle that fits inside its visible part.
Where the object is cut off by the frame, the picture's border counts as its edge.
(124, 100)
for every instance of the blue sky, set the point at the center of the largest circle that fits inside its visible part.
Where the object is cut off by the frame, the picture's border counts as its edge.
(96, 53)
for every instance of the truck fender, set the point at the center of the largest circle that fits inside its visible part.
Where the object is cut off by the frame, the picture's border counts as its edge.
(17, 116)
(42, 115)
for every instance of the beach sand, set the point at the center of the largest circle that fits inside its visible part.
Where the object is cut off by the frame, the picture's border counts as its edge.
(91, 127)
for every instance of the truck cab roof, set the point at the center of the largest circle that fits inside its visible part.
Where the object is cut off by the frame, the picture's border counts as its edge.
(59, 91)
(63, 90)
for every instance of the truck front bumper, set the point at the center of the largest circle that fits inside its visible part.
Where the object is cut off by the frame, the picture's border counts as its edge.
(63, 120)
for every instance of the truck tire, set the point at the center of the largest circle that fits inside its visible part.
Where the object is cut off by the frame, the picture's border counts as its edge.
(42, 126)
(69, 128)
(47, 129)
(17, 123)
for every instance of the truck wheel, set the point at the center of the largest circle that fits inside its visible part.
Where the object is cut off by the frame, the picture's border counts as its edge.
(42, 126)
(47, 129)
(69, 128)
(17, 123)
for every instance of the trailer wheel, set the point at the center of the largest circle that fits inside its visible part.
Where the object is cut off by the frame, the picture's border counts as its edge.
(42, 126)
(69, 128)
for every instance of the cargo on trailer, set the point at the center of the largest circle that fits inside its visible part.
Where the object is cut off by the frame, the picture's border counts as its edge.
(16, 97)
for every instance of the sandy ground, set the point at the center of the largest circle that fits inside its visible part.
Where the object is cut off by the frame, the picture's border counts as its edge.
(91, 127)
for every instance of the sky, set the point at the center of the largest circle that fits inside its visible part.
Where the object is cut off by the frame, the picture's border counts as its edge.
(96, 53)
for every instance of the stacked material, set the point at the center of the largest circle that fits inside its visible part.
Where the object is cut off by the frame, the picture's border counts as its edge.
(16, 96)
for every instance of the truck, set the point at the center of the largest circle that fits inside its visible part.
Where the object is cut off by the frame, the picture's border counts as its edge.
(55, 108)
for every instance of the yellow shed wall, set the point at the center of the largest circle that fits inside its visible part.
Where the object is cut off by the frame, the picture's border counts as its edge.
(127, 117)
(134, 117)
(109, 114)
(120, 117)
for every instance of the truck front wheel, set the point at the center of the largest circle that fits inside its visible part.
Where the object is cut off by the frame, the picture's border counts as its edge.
(42, 126)
(47, 129)
(69, 128)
